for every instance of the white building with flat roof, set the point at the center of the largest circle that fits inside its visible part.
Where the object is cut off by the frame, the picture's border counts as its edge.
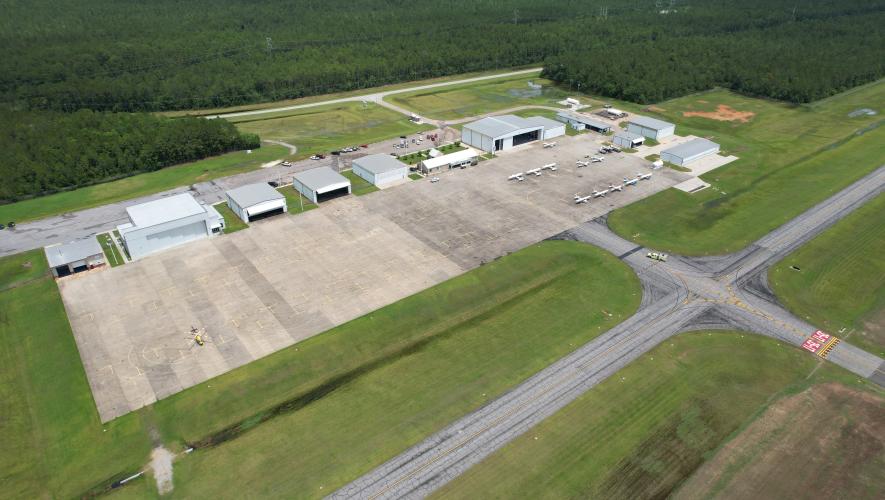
(166, 223)
(499, 133)
(254, 201)
(380, 169)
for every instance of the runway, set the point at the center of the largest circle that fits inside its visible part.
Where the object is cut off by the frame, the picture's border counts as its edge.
(683, 294)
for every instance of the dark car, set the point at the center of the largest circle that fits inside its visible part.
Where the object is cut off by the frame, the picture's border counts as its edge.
(2, 227)
(273, 184)
(10, 225)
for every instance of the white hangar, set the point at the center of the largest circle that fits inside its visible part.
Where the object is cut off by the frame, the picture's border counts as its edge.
(255, 201)
(499, 133)
(690, 151)
(321, 184)
(650, 127)
(168, 222)
(380, 169)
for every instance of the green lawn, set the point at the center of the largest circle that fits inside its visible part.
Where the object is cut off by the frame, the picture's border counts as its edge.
(296, 203)
(358, 185)
(330, 127)
(473, 99)
(415, 177)
(111, 253)
(841, 278)
(232, 223)
(141, 184)
(53, 442)
(791, 157)
(640, 433)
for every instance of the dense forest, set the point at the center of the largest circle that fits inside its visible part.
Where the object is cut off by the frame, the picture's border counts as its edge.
(161, 55)
(47, 151)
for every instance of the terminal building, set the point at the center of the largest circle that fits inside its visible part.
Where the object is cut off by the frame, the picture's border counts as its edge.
(650, 127)
(452, 160)
(321, 184)
(74, 257)
(166, 223)
(690, 151)
(380, 169)
(255, 201)
(500, 133)
(578, 121)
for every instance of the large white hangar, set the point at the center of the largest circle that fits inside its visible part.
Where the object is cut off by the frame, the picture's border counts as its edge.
(321, 184)
(499, 133)
(255, 201)
(380, 169)
(167, 222)
(690, 151)
(650, 127)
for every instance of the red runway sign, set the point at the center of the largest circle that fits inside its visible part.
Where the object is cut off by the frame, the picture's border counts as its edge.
(820, 336)
(811, 345)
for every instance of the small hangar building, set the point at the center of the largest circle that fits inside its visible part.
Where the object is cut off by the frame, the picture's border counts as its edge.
(500, 133)
(321, 184)
(650, 127)
(626, 139)
(690, 151)
(168, 222)
(578, 121)
(255, 201)
(452, 160)
(380, 169)
(74, 257)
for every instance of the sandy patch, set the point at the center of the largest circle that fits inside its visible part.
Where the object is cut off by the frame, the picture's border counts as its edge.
(161, 463)
(656, 109)
(723, 113)
(826, 442)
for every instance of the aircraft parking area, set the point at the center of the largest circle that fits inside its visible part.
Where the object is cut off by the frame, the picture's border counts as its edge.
(288, 278)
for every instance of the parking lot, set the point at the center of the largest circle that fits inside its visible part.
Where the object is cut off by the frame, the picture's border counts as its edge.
(290, 277)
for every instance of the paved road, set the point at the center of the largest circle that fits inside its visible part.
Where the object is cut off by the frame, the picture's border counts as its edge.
(377, 97)
(683, 294)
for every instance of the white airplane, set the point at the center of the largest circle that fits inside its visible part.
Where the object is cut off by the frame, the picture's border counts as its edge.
(582, 199)
(549, 166)
(597, 194)
(596, 159)
(643, 177)
(535, 171)
(549, 144)
(631, 182)
(612, 188)
(582, 163)
(516, 177)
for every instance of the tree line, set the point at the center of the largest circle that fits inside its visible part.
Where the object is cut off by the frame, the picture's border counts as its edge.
(49, 151)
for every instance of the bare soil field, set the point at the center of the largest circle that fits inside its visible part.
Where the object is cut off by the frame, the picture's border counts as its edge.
(724, 113)
(826, 442)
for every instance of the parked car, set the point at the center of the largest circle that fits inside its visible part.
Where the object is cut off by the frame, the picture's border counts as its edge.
(286, 164)
(2, 227)
(315, 157)
(273, 184)
(10, 225)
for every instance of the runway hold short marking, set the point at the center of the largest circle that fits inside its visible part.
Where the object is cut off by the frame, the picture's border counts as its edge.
(820, 343)
(811, 346)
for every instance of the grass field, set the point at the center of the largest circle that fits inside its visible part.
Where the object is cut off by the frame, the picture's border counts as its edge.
(330, 127)
(111, 253)
(791, 157)
(53, 442)
(295, 202)
(141, 184)
(473, 99)
(841, 281)
(232, 223)
(406, 370)
(358, 185)
(642, 432)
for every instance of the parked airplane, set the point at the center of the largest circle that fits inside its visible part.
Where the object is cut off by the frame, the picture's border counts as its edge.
(582, 199)
(549, 144)
(631, 182)
(612, 188)
(549, 166)
(597, 194)
(535, 171)
(644, 177)
(516, 177)
(582, 163)
(596, 159)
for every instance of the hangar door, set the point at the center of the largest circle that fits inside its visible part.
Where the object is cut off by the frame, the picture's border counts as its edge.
(534, 135)
(176, 235)
(332, 193)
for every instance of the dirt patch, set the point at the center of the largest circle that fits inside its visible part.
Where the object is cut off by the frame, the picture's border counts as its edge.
(723, 113)
(161, 464)
(827, 442)
(656, 109)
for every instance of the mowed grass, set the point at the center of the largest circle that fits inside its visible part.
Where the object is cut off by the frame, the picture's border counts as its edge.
(111, 253)
(326, 128)
(358, 185)
(474, 99)
(841, 278)
(791, 157)
(640, 433)
(296, 203)
(53, 442)
(141, 184)
(367, 390)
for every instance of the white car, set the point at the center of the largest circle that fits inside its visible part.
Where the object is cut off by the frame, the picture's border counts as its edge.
(314, 157)
(434, 179)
